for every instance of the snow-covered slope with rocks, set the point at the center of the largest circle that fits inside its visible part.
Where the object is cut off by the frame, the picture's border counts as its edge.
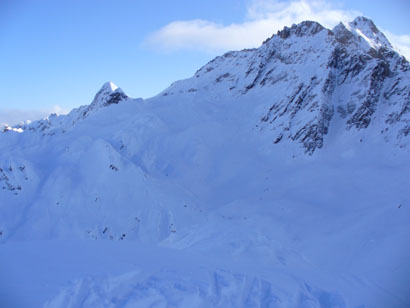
(274, 177)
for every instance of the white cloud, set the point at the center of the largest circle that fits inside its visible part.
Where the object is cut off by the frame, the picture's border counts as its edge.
(15, 116)
(263, 18)
(209, 36)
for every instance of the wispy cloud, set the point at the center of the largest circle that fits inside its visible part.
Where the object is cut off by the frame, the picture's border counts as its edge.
(15, 116)
(400, 42)
(262, 19)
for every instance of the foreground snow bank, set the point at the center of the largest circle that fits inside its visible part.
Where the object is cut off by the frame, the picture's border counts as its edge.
(205, 289)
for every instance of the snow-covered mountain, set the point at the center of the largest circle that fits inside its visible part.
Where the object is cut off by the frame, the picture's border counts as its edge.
(274, 177)
(305, 78)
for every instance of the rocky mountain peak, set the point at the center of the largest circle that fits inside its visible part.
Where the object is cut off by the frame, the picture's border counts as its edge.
(361, 31)
(365, 24)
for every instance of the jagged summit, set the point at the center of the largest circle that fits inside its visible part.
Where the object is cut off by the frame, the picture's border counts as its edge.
(361, 29)
(304, 28)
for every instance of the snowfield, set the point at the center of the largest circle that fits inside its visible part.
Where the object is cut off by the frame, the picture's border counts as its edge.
(274, 177)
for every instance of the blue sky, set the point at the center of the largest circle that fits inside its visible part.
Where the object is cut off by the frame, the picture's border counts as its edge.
(56, 54)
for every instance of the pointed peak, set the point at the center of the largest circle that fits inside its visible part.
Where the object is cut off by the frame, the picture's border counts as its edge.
(108, 94)
(363, 32)
(365, 29)
(106, 89)
(109, 86)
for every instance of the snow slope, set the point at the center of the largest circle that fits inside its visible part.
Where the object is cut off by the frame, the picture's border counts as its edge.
(274, 177)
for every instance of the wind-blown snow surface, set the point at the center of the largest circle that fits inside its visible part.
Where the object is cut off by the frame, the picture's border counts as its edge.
(275, 177)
